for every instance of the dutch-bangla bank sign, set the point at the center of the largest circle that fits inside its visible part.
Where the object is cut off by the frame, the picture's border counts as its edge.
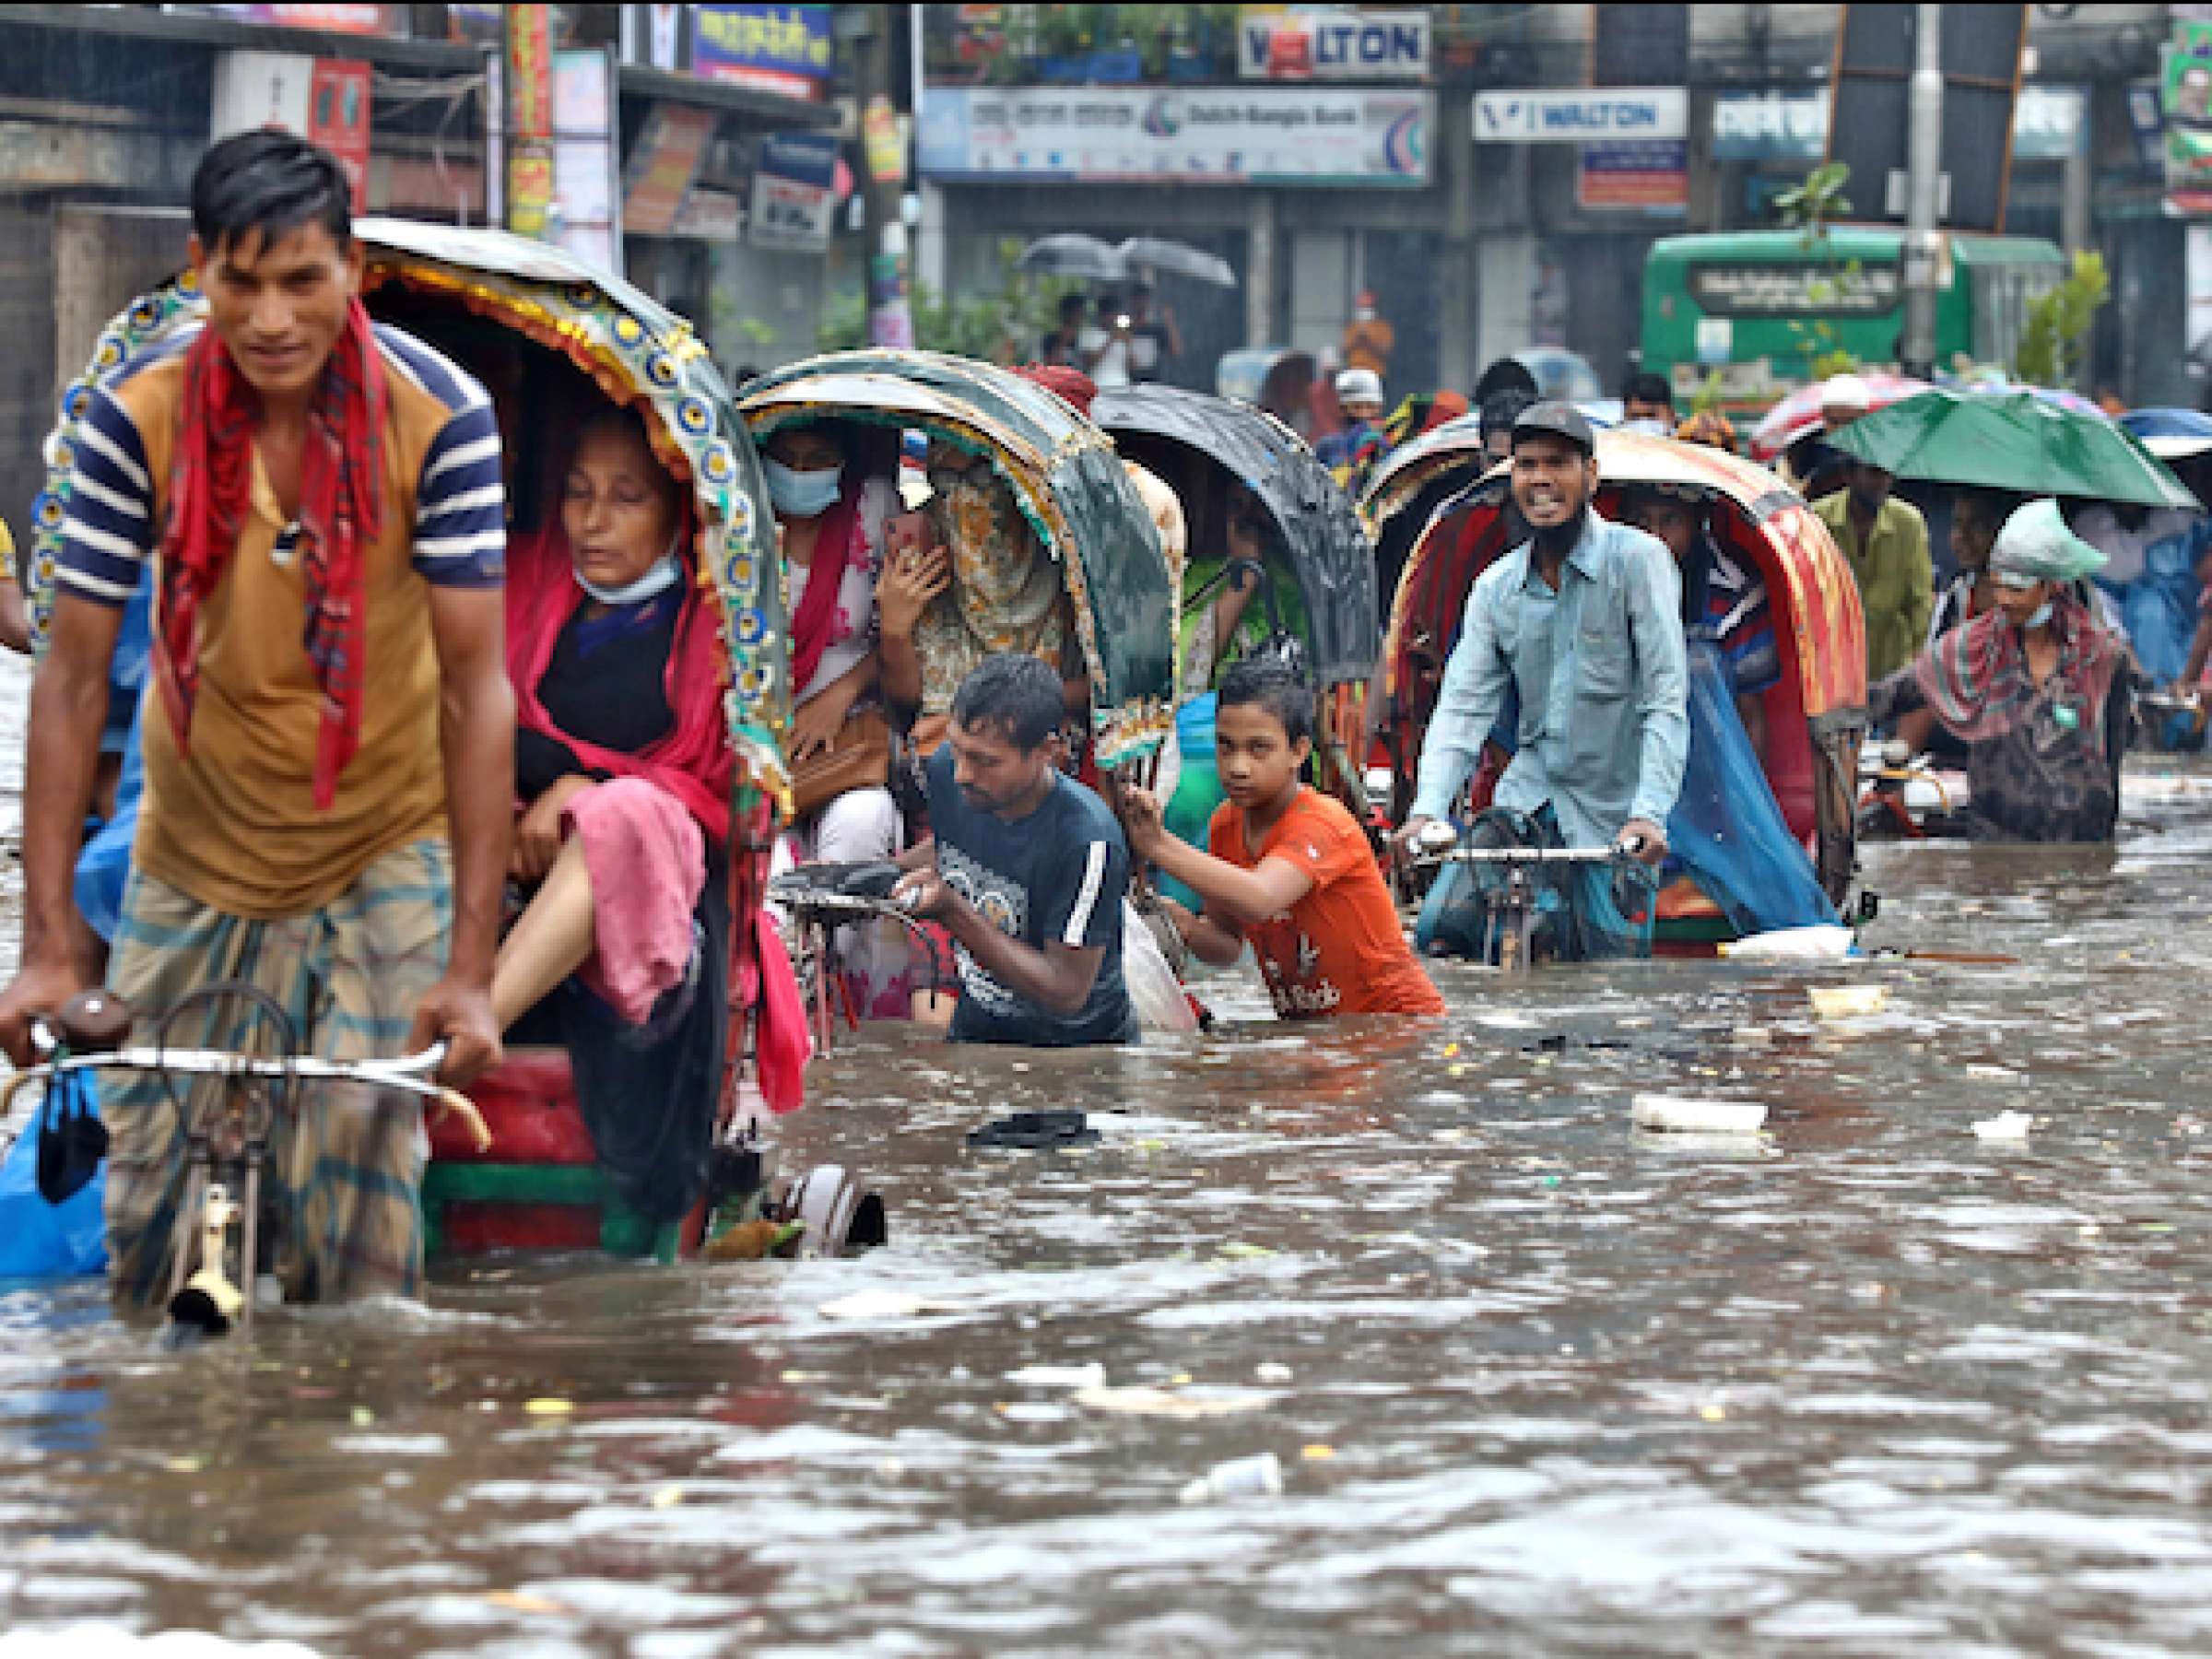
(1565, 116)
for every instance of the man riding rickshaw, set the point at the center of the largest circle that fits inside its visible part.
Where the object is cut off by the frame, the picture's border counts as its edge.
(1745, 816)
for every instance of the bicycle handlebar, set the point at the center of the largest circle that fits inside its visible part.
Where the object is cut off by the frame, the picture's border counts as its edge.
(411, 1073)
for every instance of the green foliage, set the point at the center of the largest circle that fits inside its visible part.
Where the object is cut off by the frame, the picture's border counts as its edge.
(1712, 393)
(2058, 323)
(999, 325)
(1005, 47)
(1812, 204)
(1809, 207)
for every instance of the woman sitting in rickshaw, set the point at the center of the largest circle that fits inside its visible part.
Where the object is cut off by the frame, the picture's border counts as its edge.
(1240, 601)
(624, 774)
(978, 583)
(833, 499)
(2037, 688)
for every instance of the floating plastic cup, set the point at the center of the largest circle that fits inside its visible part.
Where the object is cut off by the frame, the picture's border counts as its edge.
(1260, 1476)
(1688, 1116)
(1847, 1002)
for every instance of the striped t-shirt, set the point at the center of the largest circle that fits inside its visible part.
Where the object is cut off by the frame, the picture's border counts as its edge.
(231, 820)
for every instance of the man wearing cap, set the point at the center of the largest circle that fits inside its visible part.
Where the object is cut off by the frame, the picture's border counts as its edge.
(1350, 455)
(1583, 622)
(1886, 542)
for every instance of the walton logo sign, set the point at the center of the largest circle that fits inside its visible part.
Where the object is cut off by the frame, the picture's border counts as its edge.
(1552, 117)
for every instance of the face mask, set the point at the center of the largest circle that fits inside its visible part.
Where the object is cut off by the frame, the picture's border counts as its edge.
(664, 574)
(1645, 423)
(2042, 616)
(802, 495)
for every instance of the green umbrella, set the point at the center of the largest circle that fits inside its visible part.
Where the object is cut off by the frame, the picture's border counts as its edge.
(2012, 440)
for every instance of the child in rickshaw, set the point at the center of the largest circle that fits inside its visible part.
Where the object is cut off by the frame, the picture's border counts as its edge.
(1288, 869)
(623, 774)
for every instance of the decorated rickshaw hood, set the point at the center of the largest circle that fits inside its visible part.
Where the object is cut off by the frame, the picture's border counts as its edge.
(1069, 484)
(637, 352)
(1330, 551)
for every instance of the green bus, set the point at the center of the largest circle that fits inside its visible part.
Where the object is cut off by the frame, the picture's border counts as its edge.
(1757, 307)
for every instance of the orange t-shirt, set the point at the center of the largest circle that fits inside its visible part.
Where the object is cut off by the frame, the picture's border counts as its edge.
(1339, 950)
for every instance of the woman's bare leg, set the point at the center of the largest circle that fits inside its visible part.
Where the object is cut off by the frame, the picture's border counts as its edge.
(550, 940)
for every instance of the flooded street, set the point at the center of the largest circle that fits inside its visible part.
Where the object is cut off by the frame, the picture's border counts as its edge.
(1538, 1382)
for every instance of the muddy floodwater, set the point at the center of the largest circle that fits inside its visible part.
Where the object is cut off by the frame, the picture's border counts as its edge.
(1538, 1382)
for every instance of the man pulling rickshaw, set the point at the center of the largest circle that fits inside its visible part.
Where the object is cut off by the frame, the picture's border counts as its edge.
(319, 501)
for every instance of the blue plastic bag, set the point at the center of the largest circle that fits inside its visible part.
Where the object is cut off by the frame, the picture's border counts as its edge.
(42, 1241)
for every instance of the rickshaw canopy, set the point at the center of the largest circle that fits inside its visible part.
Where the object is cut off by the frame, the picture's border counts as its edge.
(1070, 485)
(1329, 550)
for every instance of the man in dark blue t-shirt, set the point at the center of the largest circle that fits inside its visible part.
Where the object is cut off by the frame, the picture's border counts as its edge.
(1026, 871)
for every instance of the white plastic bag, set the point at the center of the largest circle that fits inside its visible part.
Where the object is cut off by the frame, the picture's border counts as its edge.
(1153, 987)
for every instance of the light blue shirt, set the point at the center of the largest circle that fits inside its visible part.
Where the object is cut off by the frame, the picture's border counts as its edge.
(1603, 686)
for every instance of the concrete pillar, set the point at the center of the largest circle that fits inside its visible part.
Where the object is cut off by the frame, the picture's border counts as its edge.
(929, 247)
(1457, 363)
(1260, 271)
(2074, 195)
(1506, 267)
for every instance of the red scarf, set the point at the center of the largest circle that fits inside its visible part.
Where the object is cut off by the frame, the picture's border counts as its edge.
(835, 543)
(693, 763)
(341, 479)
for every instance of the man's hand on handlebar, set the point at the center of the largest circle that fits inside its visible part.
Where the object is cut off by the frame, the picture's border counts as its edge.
(1642, 840)
(35, 991)
(459, 1015)
(1420, 838)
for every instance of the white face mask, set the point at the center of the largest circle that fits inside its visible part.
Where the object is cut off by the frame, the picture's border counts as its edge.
(2042, 616)
(663, 573)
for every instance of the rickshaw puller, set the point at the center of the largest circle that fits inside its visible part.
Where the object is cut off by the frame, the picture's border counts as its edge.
(1584, 620)
(328, 766)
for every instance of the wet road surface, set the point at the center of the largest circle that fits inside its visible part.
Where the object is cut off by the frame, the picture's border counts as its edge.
(1539, 1382)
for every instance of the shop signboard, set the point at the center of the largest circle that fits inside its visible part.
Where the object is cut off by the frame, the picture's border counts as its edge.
(1648, 173)
(391, 20)
(662, 165)
(1536, 115)
(1283, 136)
(785, 49)
(2049, 123)
(794, 193)
(2185, 110)
(1309, 43)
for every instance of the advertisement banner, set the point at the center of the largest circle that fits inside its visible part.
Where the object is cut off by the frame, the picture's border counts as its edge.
(2185, 103)
(1205, 135)
(389, 20)
(1534, 116)
(1330, 44)
(529, 131)
(338, 119)
(2049, 123)
(883, 142)
(794, 193)
(785, 49)
(662, 165)
(1651, 175)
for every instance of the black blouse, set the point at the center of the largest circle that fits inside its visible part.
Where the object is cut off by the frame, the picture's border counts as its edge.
(604, 685)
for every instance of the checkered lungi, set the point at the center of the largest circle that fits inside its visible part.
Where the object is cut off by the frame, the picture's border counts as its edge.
(346, 1161)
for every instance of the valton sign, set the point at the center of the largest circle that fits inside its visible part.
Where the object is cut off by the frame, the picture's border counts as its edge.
(1555, 117)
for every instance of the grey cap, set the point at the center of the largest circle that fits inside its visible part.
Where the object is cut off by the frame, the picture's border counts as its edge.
(1556, 419)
